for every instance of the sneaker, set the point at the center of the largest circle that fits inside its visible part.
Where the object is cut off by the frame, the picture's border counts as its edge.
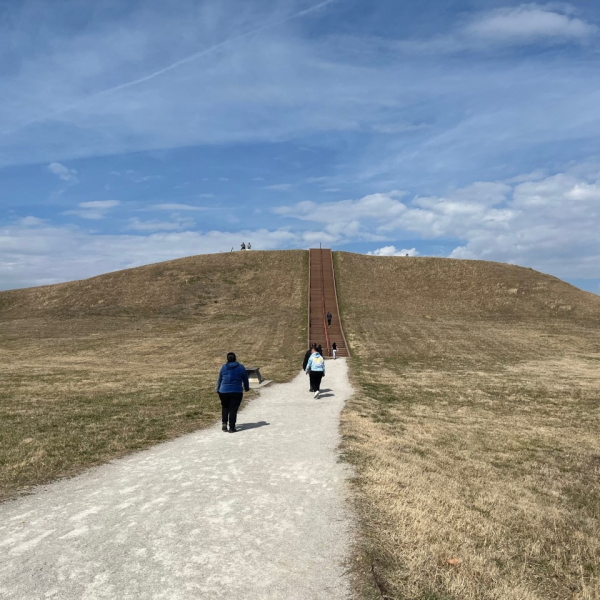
(232, 430)
(316, 394)
(224, 428)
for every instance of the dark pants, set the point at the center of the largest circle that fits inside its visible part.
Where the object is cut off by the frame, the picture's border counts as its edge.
(315, 380)
(328, 322)
(230, 402)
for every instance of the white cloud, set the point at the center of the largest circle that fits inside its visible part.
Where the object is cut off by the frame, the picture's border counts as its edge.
(64, 173)
(31, 221)
(144, 178)
(280, 187)
(551, 224)
(175, 206)
(486, 31)
(533, 176)
(373, 206)
(528, 23)
(66, 253)
(94, 210)
(100, 204)
(177, 224)
(392, 251)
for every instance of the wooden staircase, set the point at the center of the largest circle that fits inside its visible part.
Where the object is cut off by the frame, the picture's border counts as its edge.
(323, 299)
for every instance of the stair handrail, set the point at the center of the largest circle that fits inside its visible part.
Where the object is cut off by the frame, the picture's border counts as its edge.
(308, 325)
(337, 306)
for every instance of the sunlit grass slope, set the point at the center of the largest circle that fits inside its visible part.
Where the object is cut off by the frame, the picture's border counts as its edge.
(96, 368)
(475, 430)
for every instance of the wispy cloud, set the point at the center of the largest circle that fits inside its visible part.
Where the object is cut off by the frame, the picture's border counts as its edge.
(280, 187)
(175, 206)
(64, 173)
(177, 224)
(175, 65)
(94, 210)
(393, 251)
(528, 23)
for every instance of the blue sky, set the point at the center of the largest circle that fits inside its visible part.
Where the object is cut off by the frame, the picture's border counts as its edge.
(138, 132)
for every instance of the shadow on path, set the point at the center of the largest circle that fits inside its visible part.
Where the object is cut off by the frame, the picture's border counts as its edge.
(244, 426)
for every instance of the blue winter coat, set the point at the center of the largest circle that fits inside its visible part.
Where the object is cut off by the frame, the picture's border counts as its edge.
(233, 378)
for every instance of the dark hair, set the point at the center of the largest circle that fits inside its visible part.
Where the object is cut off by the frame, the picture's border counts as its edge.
(313, 345)
(231, 357)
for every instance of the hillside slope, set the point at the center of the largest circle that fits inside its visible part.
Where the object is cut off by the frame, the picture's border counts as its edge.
(98, 367)
(475, 429)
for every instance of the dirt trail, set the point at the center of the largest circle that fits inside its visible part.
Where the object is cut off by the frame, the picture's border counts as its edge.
(258, 514)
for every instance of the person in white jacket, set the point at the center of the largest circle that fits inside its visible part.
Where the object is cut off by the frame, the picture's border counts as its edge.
(316, 371)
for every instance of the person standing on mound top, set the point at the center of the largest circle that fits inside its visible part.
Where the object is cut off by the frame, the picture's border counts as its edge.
(243, 246)
(233, 381)
(316, 371)
(305, 361)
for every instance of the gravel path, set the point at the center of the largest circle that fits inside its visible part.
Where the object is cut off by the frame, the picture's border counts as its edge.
(258, 514)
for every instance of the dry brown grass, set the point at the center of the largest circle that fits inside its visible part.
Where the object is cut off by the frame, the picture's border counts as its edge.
(93, 369)
(475, 430)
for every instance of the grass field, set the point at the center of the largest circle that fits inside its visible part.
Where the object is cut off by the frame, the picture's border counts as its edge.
(475, 430)
(94, 369)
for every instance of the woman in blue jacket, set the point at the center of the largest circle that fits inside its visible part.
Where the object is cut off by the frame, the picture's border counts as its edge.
(233, 380)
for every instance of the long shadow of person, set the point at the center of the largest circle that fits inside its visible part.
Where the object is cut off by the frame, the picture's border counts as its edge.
(244, 426)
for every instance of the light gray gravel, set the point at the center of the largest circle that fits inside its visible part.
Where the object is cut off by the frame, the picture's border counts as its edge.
(258, 514)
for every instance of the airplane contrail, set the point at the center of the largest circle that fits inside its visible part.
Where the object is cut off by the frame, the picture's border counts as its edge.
(172, 66)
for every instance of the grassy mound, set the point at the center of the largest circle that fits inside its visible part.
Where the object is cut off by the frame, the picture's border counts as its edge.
(475, 430)
(96, 368)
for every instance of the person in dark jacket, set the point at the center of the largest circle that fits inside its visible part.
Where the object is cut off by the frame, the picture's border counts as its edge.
(320, 349)
(233, 381)
(329, 317)
(306, 358)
